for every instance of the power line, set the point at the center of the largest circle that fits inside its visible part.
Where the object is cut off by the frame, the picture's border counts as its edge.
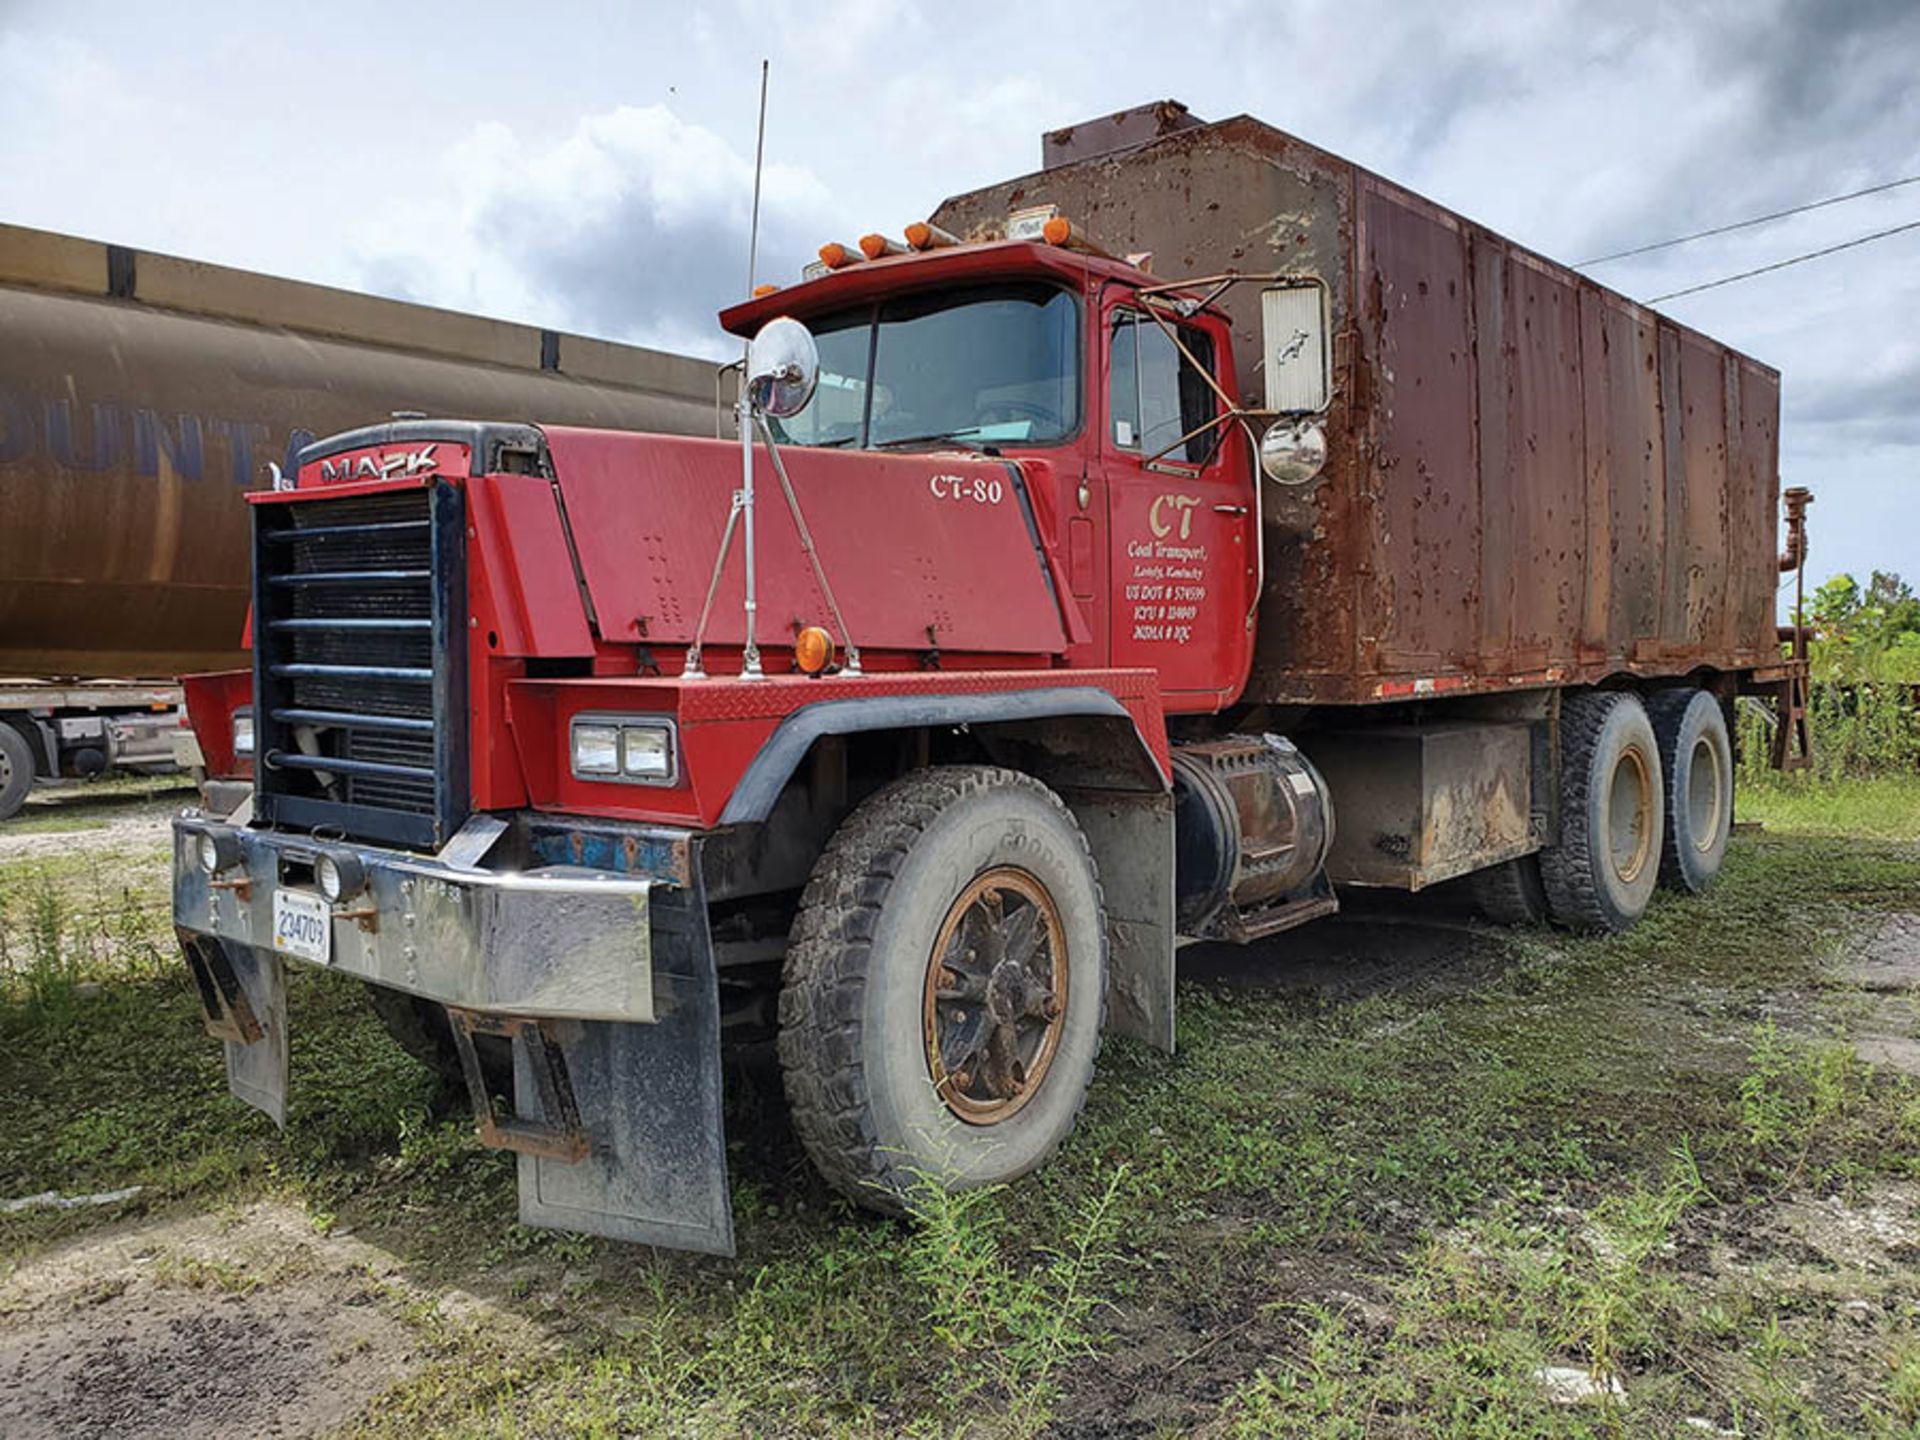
(1783, 264)
(1746, 224)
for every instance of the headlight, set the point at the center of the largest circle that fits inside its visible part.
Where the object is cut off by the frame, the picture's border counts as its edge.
(596, 750)
(646, 751)
(217, 850)
(640, 751)
(340, 875)
(242, 734)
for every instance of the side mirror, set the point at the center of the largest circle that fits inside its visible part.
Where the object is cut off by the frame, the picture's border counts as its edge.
(783, 366)
(1294, 347)
(1293, 452)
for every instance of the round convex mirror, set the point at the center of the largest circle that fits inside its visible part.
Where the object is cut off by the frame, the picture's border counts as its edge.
(1293, 452)
(783, 366)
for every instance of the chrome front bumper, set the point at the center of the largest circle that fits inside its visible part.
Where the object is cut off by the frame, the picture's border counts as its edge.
(556, 942)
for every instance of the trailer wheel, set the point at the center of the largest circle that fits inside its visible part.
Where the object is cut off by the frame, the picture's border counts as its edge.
(1510, 893)
(945, 986)
(16, 770)
(421, 1028)
(1602, 873)
(1696, 756)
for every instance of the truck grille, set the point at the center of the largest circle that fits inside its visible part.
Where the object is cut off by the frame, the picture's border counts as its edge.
(360, 698)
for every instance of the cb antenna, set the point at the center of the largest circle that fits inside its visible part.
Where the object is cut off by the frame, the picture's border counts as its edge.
(740, 513)
(750, 656)
(759, 156)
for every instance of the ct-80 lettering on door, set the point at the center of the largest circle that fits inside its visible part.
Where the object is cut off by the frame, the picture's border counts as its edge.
(979, 489)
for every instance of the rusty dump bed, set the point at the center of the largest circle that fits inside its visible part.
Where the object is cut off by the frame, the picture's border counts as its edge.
(142, 395)
(1533, 480)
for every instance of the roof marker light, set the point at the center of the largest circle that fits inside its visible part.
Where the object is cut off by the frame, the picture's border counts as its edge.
(1046, 224)
(836, 256)
(875, 246)
(925, 235)
(761, 291)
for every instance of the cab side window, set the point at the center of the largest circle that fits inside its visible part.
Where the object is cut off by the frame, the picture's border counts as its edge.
(1155, 395)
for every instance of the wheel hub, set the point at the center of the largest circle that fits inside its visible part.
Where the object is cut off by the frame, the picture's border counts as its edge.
(1631, 816)
(995, 996)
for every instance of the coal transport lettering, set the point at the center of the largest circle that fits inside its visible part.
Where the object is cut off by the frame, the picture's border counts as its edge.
(1168, 583)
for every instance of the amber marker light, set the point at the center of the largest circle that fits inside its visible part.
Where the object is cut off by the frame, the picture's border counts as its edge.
(812, 650)
(836, 256)
(761, 291)
(924, 235)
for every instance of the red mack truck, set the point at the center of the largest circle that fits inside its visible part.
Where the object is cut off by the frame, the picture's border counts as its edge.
(1056, 604)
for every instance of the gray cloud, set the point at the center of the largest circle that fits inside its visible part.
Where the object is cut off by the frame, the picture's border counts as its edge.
(1880, 407)
(633, 226)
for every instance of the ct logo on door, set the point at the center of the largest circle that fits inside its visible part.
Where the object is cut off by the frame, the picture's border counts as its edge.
(1168, 511)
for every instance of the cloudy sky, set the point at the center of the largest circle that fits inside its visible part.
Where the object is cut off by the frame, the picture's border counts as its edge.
(588, 166)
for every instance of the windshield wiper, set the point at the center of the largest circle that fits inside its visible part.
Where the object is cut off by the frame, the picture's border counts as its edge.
(833, 444)
(928, 439)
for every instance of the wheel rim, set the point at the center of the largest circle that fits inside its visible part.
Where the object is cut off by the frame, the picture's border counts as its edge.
(1704, 795)
(996, 996)
(1630, 816)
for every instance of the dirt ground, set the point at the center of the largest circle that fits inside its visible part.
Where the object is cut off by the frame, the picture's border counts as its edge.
(118, 816)
(233, 1324)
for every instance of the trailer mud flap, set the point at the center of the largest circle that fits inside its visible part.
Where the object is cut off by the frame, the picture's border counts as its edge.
(648, 1099)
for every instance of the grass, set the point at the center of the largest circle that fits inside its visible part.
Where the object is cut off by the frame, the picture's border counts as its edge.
(1368, 1197)
(1887, 808)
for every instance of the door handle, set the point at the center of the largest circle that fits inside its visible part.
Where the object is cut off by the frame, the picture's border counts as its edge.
(1229, 509)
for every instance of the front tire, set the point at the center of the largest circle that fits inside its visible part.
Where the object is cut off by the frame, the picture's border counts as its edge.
(945, 987)
(1696, 757)
(1601, 875)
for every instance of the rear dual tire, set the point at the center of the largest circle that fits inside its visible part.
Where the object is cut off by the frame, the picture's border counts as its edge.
(1696, 757)
(1601, 875)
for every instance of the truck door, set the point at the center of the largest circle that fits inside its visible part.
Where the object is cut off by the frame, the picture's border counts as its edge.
(1179, 503)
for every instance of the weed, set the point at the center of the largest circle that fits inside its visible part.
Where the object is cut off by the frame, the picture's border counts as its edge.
(1006, 1326)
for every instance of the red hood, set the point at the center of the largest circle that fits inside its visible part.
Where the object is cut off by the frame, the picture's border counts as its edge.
(923, 551)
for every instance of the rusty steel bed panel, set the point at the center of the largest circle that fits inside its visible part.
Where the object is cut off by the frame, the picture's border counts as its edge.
(1532, 480)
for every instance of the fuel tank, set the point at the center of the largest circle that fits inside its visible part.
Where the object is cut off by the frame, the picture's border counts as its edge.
(141, 396)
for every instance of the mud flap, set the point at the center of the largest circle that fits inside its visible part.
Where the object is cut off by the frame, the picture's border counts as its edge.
(649, 1101)
(257, 1072)
(1131, 836)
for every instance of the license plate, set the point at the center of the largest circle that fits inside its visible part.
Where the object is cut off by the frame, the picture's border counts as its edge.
(302, 926)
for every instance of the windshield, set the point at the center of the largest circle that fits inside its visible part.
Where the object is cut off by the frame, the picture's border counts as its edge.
(992, 365)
